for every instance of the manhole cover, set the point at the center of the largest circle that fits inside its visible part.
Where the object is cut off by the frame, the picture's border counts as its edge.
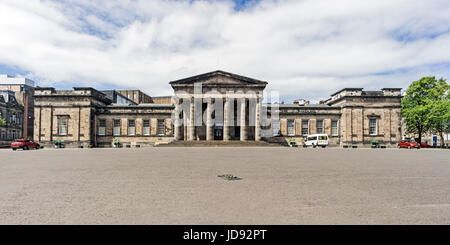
(229, 177)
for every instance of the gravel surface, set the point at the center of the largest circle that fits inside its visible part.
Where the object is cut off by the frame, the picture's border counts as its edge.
(181, 186)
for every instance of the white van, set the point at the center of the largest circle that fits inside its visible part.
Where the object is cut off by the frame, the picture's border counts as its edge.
(317, 140)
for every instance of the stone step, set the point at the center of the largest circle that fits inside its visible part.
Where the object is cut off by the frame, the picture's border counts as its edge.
(234, 143)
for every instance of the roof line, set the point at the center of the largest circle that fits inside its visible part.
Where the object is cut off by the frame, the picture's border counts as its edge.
(218, 72)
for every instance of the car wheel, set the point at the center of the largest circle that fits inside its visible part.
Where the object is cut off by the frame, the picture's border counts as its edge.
(14, 149)
(25, 148)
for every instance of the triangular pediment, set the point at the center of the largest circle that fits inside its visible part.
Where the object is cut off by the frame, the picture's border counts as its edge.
(219, 78)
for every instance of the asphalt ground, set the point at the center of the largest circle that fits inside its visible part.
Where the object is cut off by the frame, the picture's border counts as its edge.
(180, 185)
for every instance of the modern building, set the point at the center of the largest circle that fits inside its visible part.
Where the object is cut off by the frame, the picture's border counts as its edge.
(23, 89)
(162, 99)
(118, 98)
(215, 106)
(136, 95)
(12, 113)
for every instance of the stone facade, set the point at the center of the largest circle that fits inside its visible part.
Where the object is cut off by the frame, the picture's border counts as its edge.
(139, 135)
(351, 111)
(66, 115)
(304, 119)
(218, 106)
(74, 116)
(12, 112)
(215, 106)
(23, 89)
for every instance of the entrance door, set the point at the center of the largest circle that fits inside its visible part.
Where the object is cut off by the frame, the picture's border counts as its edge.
(237, 131)
(218, 133)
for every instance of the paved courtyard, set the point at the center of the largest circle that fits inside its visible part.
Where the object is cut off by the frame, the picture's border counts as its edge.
(177, 185)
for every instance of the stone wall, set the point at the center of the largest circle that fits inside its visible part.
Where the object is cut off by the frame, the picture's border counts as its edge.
(359, 106)
(137, 139)
(352, 109)
(10, 130)
(78, 106)
(85, 107)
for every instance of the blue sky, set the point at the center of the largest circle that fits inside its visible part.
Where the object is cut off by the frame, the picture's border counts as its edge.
(242, 4)
(303, 48)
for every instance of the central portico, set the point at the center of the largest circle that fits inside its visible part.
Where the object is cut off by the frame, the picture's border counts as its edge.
(217, 106)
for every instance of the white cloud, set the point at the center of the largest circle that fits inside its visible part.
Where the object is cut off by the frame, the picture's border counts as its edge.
(303, 49)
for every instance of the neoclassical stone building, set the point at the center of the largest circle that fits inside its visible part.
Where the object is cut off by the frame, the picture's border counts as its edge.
(351, 116)
(224, 106)
(214, 106)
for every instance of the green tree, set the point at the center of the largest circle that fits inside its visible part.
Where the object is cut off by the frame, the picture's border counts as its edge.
(418, 105)
(439, 119)
(2, 121)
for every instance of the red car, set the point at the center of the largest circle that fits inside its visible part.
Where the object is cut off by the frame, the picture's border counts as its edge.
(24, 144)
(408, 144)
(425, 145)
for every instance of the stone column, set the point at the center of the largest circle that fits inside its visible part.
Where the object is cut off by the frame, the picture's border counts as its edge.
(177, 123)
(185, 123)
(258, 120)
(243, 127)
(226, 121)
(209, 121)
(191, 128)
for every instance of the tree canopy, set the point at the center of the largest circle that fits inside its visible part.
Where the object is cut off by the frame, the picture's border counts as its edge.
(426, 106)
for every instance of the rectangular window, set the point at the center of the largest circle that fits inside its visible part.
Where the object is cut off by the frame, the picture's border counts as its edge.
(323, 137)
(334, 128)
(161, 130)
(312, 138)
(62, 125)
(305, 127)
(146, 129)
(319, 126)
(291, 127)
(116, 126)
(275, 127)
(373, 127)
(134, 96)
(131, 127)
(102, 127)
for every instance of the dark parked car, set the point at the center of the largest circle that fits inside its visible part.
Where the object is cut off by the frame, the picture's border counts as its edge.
(408, 144)
(24, 144)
